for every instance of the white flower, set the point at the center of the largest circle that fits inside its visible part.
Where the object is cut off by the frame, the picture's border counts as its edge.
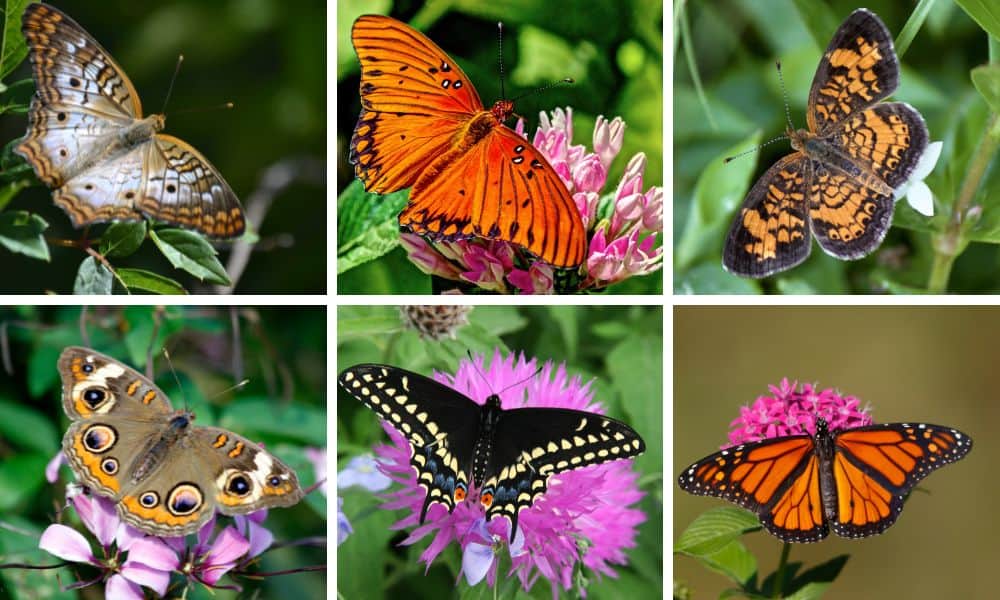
(916, 191)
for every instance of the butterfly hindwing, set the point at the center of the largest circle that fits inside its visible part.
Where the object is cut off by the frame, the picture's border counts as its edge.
(535, 443)
(875, 467)
(439, 423)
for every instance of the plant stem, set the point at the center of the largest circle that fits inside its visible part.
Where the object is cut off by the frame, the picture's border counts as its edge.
(779, 577)
(950, 243)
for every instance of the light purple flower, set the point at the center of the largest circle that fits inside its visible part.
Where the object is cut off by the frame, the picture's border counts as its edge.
(344, 528)
(149, 561)
(593, 503)
(363, 471)
(479, 557)
(630, 214)
(793, 411)
(317, 456)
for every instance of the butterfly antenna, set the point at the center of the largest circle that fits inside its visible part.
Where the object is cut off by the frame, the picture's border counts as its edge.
(503, 94)
(755, 148)
(177, 380)
(170, 90)
(545, 87)
(784, 96)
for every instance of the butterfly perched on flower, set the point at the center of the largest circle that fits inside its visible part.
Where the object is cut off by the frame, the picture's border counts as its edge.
(499, 459)
(422, 126)
(848, 167)
(853, 481)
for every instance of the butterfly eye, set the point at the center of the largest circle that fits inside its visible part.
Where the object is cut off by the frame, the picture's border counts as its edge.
(184, 499)
(149, 499)
(99, 438)
(109, 466)
(238, 485)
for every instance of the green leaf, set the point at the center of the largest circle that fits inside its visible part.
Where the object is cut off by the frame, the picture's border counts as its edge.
(28, 428)
(147, 281)
(19, 544)
(21, 232)
(265, 415)
(719, 191)
(636, 366)
(711, 278)
(813, 582)
(122, 238)
(715, 528)
(10, 189)
(14, 47)
(367, 225)
(21, 476)
(92, 278)
(987, 81)
(984, 12)
(190, 252)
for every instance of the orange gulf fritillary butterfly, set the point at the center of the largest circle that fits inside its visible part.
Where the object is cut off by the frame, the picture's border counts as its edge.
(423, 126)
(853, 480)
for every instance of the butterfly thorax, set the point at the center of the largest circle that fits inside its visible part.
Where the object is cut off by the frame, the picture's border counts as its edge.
(486, 432)
(825, 450)
(824, 150)
(155, 450)
(141, 131)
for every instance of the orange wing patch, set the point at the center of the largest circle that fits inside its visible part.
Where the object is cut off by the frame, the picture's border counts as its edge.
(798, 515)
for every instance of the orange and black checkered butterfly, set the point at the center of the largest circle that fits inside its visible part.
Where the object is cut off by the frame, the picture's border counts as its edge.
(854, 480)
(843, 178)
(422, 126)
(508, 455)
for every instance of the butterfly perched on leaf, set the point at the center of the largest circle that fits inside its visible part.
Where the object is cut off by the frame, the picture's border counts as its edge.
(852, 481)
(463, 450)
(423, 126)
(848, 167)
(88, 141)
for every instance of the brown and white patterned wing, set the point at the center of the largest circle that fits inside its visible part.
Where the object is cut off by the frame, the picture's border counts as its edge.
(82, 99)
(183, 188)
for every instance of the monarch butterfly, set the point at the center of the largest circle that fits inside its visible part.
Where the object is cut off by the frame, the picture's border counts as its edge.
(423, 126)
(854, 480)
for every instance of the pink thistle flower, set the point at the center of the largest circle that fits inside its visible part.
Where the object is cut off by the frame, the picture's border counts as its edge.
(149, 560)
(630, 214)
(593, 503)
(793, 411)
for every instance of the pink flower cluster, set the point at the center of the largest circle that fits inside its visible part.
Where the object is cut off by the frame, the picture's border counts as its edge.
(129, 560)
(791, 411)
(623, 227)
(593, 503)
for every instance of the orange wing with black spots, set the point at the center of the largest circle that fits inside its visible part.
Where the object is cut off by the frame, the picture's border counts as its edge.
(853, 158)
(854, 481)
(422, 125)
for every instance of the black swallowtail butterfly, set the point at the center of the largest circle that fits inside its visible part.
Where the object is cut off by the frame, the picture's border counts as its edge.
(508, 454)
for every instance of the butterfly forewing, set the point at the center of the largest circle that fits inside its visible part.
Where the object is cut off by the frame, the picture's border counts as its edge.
(532, 444)
(439, 423)
(876, 467)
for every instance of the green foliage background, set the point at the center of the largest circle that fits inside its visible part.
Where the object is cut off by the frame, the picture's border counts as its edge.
(282, 351)
(266, 59)
(613, 51)
(620, 348)
(731, 46)
(918, 364)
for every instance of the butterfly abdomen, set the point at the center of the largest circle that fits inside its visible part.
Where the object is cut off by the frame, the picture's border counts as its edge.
(482, 454)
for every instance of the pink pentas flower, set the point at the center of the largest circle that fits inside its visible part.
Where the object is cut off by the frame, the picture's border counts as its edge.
(595, 503)
(149, 560)
(791, 410)
(630, 213)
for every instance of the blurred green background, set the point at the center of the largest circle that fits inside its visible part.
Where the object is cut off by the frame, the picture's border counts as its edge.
(281, 351)
(734, 45)
(930, 364)
(620, 348)
(612, 50)
(266, 58)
